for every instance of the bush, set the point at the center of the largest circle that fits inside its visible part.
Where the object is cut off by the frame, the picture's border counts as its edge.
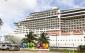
(81, 48)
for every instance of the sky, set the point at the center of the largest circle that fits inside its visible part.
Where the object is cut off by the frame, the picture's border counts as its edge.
(12, 11)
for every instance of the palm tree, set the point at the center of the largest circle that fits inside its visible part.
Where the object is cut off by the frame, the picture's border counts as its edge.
(29, 38)
(43, 38)
(43, 41)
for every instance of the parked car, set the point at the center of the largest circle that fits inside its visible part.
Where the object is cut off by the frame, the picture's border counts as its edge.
(14, 47)
(5, 46)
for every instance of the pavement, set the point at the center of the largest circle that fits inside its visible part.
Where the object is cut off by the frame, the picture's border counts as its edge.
(27, 52)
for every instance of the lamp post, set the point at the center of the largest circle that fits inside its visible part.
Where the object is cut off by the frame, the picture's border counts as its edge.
(73, 47)
(59, 17)
(0, 38)
(56, 41)
(84, 39)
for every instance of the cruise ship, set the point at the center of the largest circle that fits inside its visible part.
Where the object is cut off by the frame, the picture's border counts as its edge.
(65, 28)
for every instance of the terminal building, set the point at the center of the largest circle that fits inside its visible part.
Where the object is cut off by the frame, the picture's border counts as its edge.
(65, 28)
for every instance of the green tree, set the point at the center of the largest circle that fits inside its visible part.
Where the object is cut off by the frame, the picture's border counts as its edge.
(31, 37)
(43, 38)
(1, 22)
(81, 49)
(12, 39)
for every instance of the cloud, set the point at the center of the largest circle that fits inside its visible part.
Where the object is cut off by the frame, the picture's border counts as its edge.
(12, 11)
(15, 10)
(70, 3)
(67, 1)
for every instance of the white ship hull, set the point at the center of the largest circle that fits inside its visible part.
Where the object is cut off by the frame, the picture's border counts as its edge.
(67, 41)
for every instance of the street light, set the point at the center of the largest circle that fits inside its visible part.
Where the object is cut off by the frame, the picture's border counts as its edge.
(59, 17)
(56, 41)
(84, 39)
(73, 47)
(0, 38)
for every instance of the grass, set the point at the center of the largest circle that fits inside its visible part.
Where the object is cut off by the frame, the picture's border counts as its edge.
(70, 51)
(63, 50)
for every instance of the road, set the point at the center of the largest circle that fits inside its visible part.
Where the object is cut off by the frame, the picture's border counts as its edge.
(27, 52)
